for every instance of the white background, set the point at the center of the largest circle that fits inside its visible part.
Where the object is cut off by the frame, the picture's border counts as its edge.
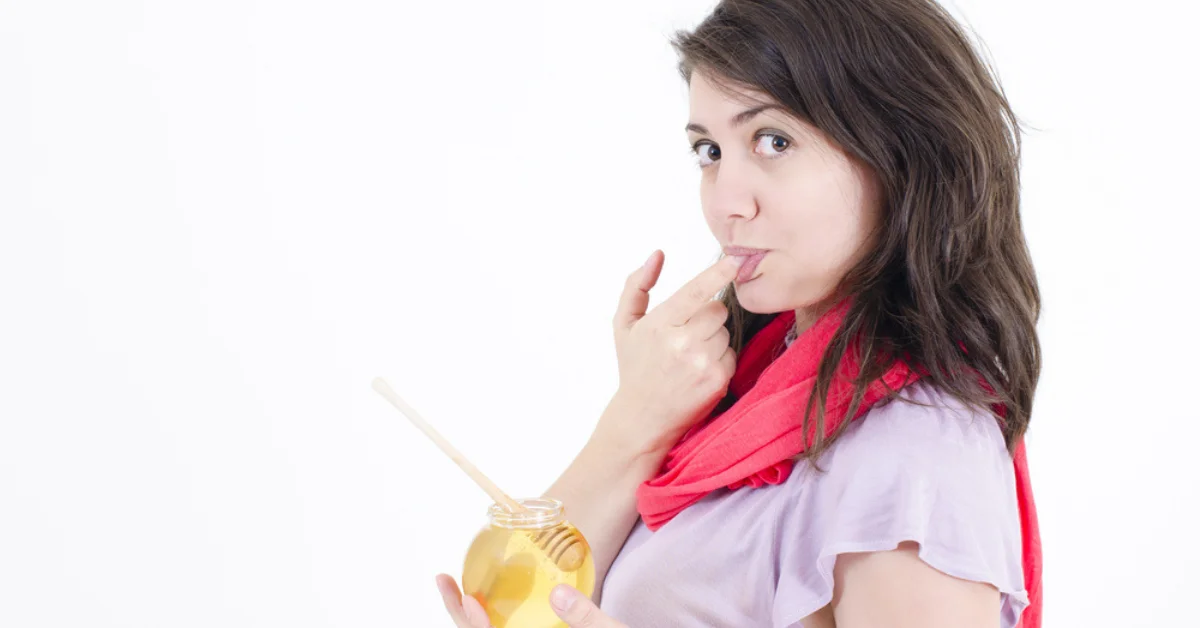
(219, 221)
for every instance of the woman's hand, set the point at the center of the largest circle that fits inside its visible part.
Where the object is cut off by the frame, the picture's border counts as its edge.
(569, 604)
(465, 611)
(675, 362)
(578, 611)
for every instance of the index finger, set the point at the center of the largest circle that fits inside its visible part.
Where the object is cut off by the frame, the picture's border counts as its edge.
(680, 307)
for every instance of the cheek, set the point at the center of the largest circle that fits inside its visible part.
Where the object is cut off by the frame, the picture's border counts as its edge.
(836, 234)
(706, 206)
(710, 219)
(829, 230)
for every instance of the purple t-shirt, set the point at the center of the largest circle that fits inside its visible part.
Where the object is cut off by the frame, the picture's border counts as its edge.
(937, 474)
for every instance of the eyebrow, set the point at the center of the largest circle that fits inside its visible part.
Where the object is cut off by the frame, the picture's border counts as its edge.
(737, 120)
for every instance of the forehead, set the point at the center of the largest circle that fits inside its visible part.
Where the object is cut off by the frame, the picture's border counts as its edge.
(720, 104)
(708, 94)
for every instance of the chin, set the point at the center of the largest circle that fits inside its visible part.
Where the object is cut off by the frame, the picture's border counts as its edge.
(755, 299)
(759, 296)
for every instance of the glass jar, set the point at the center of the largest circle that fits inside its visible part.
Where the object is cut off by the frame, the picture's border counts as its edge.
(517, 558)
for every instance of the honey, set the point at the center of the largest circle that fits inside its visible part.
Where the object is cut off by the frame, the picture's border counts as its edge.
(518, 558)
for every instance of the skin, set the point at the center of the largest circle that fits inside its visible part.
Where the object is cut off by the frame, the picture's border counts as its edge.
(768, 181)
(776, 182)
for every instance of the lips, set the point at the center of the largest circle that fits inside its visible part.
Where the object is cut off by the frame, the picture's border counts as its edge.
(753, 257)
(743, 250)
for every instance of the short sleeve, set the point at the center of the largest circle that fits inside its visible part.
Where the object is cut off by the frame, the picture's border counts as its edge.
(931, 471)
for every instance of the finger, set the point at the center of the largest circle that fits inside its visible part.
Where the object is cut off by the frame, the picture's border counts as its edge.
(709, 319)
(700, 290)
(719, 339)
(475, 613)
(729, 361)
(635, 297)
(577, 610)
(452, 598)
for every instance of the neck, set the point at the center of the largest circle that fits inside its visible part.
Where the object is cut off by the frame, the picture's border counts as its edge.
(807, 316)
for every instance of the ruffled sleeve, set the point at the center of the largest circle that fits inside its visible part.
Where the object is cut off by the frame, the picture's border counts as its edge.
(937, 474)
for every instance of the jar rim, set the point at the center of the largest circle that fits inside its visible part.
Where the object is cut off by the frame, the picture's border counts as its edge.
(541, 512)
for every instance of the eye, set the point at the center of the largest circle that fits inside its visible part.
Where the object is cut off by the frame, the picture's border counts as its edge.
(778, 143)
(706, 152)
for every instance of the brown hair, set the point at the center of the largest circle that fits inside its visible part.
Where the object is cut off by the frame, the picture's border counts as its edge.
(950, 286)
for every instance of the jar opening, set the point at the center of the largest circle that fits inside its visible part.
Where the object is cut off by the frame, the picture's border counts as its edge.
(539, 513)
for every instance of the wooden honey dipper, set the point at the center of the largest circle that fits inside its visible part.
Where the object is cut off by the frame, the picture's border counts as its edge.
(565, 546)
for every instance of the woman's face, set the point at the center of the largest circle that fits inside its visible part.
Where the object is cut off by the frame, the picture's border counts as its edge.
(772, 182)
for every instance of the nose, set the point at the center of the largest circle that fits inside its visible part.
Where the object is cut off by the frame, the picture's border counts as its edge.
(732, 193)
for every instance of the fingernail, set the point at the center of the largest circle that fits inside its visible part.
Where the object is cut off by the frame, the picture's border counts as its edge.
(562, 597)
(737, 260)
(646, 266)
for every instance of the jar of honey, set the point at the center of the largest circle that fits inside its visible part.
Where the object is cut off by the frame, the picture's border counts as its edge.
(518, 557)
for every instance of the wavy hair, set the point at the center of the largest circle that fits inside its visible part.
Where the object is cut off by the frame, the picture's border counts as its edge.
(950, 285)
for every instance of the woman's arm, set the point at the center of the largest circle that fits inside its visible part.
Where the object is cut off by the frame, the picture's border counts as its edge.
(675, 364)
(598, 488)
(896, 589)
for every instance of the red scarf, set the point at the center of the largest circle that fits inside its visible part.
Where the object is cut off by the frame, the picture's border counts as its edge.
(752, 443)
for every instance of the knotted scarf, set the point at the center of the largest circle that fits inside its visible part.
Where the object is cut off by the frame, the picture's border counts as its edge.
(753, 442)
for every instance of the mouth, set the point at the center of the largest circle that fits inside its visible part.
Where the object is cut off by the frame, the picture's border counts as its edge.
(753, 257)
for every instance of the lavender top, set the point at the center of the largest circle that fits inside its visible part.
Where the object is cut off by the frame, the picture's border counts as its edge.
(939, 476)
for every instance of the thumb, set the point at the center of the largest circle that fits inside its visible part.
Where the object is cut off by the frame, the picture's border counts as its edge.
(578, 611)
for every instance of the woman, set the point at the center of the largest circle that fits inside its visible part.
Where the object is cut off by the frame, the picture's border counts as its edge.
(876, 328)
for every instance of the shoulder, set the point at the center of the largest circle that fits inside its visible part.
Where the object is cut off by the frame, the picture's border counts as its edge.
(924, 432)
(923, 467)
(923, 470)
